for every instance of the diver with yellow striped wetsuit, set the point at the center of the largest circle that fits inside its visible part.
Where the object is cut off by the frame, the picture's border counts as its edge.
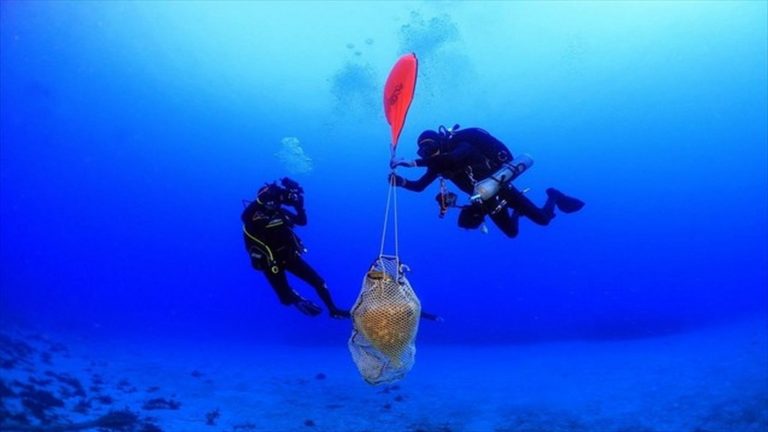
(275, 249)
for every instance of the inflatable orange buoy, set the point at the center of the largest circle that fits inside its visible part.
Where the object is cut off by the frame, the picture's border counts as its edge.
(398, 93)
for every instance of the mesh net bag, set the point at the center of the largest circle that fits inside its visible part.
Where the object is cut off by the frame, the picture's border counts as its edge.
(385, 321)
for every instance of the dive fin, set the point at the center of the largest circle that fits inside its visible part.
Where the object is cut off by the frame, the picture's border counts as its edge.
(565, 203)
(307, 307)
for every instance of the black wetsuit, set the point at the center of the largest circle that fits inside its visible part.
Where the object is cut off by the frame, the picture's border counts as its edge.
(471, 155)
(274, 249)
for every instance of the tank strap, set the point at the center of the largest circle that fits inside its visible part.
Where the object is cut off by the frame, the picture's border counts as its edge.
(470, 174)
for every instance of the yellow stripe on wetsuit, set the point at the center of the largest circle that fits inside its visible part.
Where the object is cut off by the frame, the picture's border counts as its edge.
(266, 248)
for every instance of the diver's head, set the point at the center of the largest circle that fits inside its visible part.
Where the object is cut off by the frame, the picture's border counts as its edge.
(274, 195)
(430, 143)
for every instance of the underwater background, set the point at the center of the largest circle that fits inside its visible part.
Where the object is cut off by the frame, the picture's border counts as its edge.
(131, 133)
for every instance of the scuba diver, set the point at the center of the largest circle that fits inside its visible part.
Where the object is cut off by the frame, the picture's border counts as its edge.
(274, 248)
(483, 167)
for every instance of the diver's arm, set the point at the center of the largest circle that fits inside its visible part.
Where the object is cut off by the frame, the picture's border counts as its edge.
(420, 184)
(401, 162)
(299, 218)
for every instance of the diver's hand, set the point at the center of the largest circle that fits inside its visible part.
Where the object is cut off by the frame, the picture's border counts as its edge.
(398, 162)
(339, 314)
(396, 179)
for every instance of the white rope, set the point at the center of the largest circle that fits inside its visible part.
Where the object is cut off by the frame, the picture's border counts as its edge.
(397, 245)
(386, 217)
(391, 199)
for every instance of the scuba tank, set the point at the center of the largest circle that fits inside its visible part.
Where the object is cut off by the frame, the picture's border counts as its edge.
(488, 188)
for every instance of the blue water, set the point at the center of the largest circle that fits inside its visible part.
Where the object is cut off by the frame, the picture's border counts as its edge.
(130, 133)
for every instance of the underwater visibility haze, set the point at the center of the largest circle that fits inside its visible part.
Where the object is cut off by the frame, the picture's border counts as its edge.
(134, 133)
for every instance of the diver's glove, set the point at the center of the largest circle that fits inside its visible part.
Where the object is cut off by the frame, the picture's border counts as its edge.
(399, 181)
(401, 162)
(307, 307)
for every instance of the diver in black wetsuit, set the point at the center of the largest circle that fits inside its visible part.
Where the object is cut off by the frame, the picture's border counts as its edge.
(466, 156)
(274, 248)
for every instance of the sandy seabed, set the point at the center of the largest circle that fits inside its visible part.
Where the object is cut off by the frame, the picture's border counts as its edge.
(708, 380)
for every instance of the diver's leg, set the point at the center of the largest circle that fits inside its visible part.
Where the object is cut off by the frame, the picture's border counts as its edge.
(507, 223)
(431, 316)
(523, 206)
(279, 283)
(564, 203)
(288, 296)
(305, 272)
